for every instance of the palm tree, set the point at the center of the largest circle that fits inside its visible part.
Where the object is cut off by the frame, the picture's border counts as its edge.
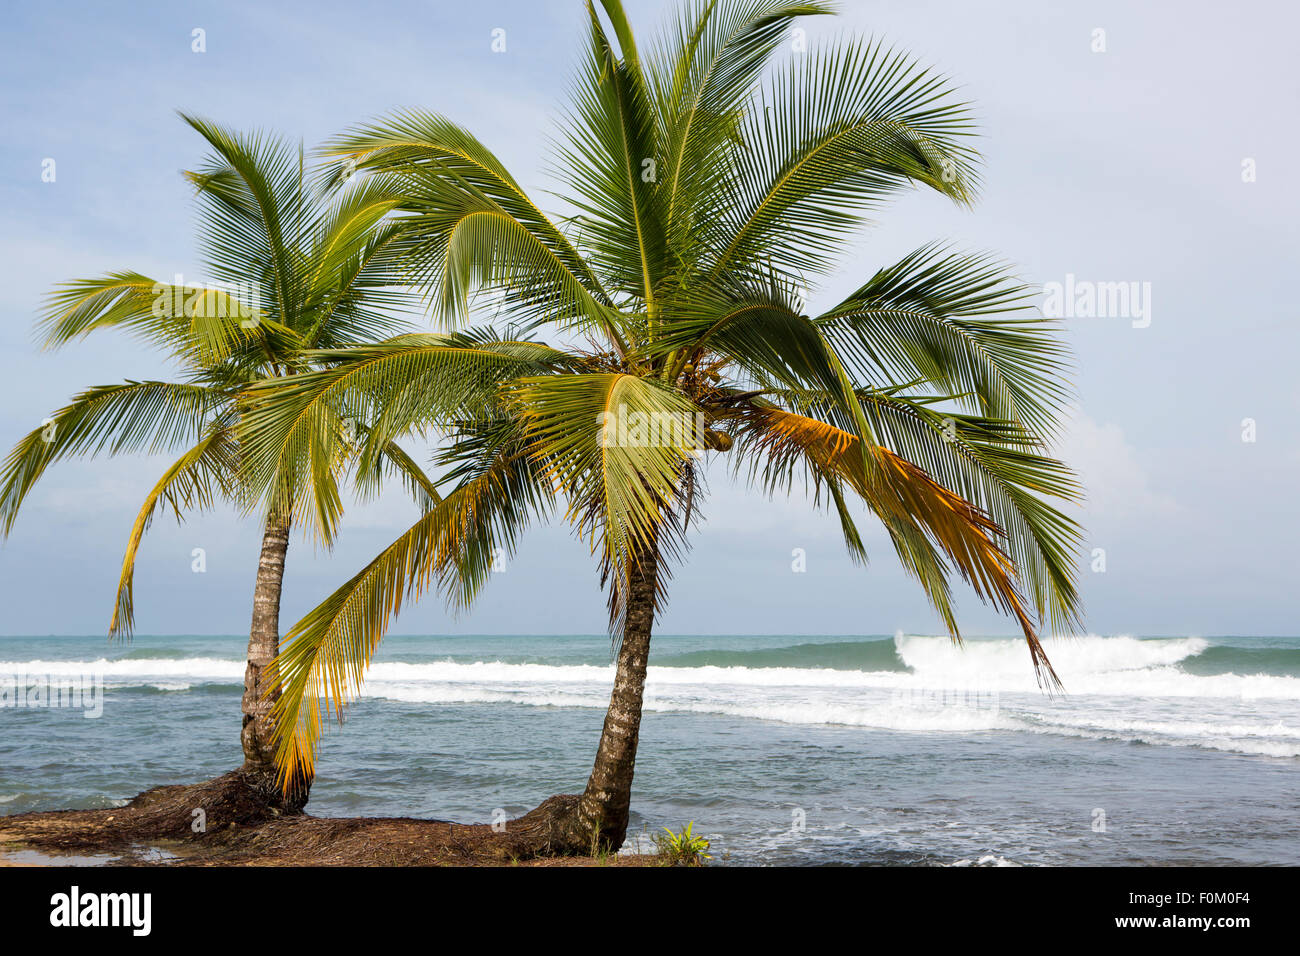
(706, 190)
(294, 267)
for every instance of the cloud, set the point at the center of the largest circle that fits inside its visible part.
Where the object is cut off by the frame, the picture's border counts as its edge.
(1116, 483)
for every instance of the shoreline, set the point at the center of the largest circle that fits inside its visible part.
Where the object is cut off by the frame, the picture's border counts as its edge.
(18, 855)
(296, 841)
(220, 822)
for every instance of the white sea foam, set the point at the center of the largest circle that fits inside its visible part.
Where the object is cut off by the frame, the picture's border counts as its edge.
(1075, 656)
(1178, 728)
(1123, 666)
(1113, 666)
(206, 669)
(1118, 688)
(989, 859)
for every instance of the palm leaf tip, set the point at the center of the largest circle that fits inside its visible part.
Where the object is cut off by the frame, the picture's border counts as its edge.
(918, 511)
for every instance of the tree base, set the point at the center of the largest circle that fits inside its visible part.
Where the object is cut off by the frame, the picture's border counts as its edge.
(262, 785)
(557, 828)
(237, 799)
(238, 826)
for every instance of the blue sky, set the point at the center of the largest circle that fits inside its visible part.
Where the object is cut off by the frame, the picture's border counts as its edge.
(1122, 165)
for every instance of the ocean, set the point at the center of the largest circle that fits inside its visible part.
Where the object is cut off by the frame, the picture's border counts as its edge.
(781, 749)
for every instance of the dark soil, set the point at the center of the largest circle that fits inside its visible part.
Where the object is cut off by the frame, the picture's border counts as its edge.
(241, 829)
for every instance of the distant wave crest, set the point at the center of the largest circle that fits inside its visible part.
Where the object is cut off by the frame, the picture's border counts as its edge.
(1172, 691)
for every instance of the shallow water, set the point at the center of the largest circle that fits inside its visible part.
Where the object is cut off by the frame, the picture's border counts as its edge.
(38, 858)
(781, 749)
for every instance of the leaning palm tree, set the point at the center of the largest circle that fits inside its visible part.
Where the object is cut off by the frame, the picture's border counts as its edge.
(294, 267)
(706, 192)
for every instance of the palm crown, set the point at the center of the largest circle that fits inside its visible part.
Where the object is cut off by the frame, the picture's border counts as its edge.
(292, 268)
(707, 192)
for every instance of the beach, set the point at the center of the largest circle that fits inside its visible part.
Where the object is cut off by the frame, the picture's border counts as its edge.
(781, 749)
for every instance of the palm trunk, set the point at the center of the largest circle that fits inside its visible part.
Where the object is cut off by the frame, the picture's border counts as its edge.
(603, 809)
(263, 645)
(597, 820)
(251, 795)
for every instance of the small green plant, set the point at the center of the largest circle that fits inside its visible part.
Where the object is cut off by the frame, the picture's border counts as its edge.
(682, 849)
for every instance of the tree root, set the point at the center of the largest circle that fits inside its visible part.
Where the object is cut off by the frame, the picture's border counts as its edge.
(243, 829)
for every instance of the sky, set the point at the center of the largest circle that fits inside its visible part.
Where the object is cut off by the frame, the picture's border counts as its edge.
(1149, 143)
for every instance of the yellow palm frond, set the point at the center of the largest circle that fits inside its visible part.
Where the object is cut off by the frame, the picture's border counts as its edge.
(902, 495)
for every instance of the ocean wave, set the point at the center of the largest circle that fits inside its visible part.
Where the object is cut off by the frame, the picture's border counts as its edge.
(155, 653)
(885, 713)
(166, 687)
(128, 669)
(1274, 738)
(1258, 738)
(1088, 665)
(1220, 659)
(872, 655)
(891, 712)
(1115, 667)
(1070, 656)
(1118, 688)
(1082, 654)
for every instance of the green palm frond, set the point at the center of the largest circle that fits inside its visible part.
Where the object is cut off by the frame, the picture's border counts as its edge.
(703, 74)
(384, 390)
(836, 132)
(615, 444)
(394, 460)
(356, 289)
(456, 542)
(960, 323)
(474, 227)
(107, 419)
(609, 145)
(192, 483)
(256, 209)
(196, 325)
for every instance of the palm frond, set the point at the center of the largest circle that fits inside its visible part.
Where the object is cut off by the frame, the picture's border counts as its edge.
(606, 151)
(379, 392)
(193, 482)
(455, 542)
(615, 445)
(835, 133)
(473, 225)
(960, 323)
(909, 502)
(703, 73)
(257, 211)
(197, 325)
(358, 285)
(1005, 472)
(107, 419)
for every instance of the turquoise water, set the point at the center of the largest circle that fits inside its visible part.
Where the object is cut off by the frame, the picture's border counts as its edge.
(781, 749)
